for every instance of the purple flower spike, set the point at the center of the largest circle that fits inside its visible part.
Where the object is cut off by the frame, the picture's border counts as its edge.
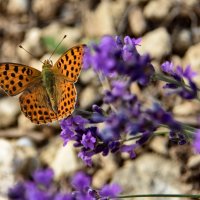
(188, 73)
(80, 186)
(183, 79)
(168, 67)
(62, 196)
(66, 135)
(86, 157)
(196, 141)
(129, 49)
(87, 61)
(73, 121)
(114, 57)
(137, 41)
(17, 192)
(119, 88)
(43, 177)
(110, 191)
(130, 149)
(88, 140)
(81, 181)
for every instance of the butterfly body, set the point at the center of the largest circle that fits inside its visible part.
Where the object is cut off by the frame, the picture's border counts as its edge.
(49, 83)
(49, 95)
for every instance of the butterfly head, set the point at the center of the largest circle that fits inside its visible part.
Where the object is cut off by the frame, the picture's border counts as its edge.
(47, 64)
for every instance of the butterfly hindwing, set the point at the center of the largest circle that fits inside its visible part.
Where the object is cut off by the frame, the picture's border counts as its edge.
(66, 97)
(14, 78)
(70, 63)
(35, 104)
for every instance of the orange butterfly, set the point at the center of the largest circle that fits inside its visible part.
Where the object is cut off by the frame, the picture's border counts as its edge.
(48, 95)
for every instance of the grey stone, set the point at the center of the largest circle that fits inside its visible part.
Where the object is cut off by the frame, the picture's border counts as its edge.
(150, 174)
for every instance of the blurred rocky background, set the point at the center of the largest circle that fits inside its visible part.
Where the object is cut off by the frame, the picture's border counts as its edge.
(170, 29)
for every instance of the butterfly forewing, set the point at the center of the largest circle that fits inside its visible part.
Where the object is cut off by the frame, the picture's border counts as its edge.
(70, 63)
(14, 78)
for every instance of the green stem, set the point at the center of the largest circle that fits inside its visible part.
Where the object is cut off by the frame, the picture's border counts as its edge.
(188, 127)
(156, 133)
(194, 196)
(160, 133)
(132, 138)
(162, 77)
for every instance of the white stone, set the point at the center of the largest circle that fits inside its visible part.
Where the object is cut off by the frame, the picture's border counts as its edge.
(24, 123)
(6, 166)
(159, 145)
(88, 96)
(9, 108)
(73, 34)
(46, 10)
(137, 22)
(157, 43)
(87, 76)
(100, 21)
(194, 161)
(157, 9)
(186, 108)
(17, 6)
(65, 161)
(183, 40)
(32, 44)
(192, 56)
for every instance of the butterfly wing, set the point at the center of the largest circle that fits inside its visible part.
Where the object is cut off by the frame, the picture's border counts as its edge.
(36, 105)
(14, 78)
(70, 63)
(66, 97)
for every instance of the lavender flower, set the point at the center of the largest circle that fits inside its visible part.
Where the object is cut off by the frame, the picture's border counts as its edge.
(112, 57)
(86, 156)
(196, 141)
(110, 190)
(69, 125)
(40, 188)
(177, 84)
(43, 177)
(88, 140)
(62, 196)
(81, 189)
(81, 181)
(118, 63)
(17, 192)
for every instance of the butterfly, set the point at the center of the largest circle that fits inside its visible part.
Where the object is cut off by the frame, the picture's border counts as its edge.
(47, 95)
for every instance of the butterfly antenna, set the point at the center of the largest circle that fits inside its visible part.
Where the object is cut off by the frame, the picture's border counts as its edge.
(57, 46)
(20, 46)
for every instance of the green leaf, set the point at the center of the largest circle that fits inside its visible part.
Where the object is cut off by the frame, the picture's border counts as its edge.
(50, 44)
